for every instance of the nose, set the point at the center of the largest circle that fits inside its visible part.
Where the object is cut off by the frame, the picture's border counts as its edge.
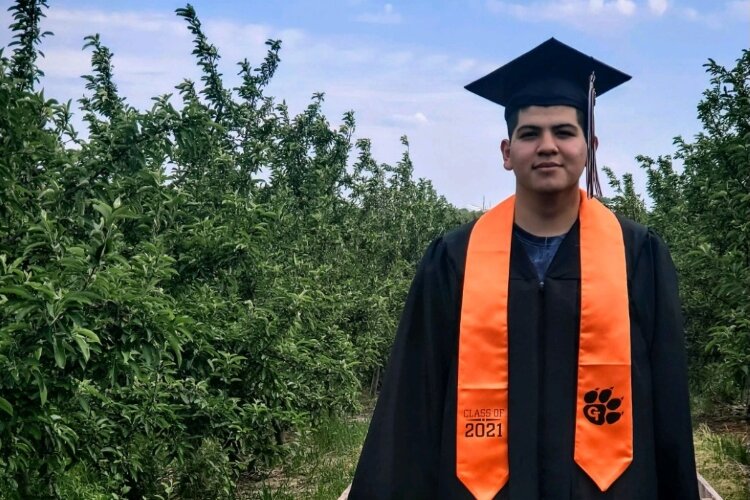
(547, 143)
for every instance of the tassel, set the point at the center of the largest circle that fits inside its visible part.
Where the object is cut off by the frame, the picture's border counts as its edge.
(593, 188)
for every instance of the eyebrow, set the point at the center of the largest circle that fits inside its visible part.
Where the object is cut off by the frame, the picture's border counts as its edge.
(557, 126)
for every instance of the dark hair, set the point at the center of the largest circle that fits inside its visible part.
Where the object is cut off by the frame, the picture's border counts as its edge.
(512, 121)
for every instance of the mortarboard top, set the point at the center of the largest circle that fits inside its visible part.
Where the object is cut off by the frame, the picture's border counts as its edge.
(550, 74)
(553, 74)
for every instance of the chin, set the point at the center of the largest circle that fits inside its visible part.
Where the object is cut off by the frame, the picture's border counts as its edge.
(551, 189)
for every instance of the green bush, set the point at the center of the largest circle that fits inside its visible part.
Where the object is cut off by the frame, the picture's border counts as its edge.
(703, 212)
(163, 329)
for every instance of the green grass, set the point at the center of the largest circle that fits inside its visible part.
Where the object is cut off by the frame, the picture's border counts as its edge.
(320, 468)
(724, 460)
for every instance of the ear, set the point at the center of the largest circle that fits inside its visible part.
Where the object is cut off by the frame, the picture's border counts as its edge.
(505, 149)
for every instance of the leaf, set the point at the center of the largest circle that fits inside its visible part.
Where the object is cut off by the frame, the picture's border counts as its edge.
(42, 391)
(79, 297)
(6, 406)
(21, 312)
(43, 288)
(51, 310)
(76, 251)
(59, 352)
(18, 291)
(174, 343)
(83, 346)
(87, 333)
(124, 213)
(103, 209)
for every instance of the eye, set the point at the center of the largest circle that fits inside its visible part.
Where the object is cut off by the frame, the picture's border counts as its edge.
(527, 134)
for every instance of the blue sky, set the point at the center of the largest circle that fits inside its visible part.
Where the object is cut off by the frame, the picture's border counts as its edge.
(401, 66)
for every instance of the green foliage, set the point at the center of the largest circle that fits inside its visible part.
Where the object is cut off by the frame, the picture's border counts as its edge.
(703, 212)
(26, 17)
(626, 201)
(187, 285)
(206, 473)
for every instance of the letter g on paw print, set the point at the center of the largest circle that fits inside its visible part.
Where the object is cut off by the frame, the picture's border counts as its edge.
(600, 406)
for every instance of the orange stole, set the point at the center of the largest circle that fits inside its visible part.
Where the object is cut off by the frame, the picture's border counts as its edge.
(604, 429)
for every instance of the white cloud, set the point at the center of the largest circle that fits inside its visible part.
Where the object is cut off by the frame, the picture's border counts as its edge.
(546, 10)
(733, 11)
(690, 13)
(587, 15)
(398, 58)
(465, 65)
(626, 7)
(386, 16)
(394, 87)
(292, 36)
(658, 7)
(222, 31)
(609, 17)
(65, 63)
(65, 19)
(740, 8)
(417, 118)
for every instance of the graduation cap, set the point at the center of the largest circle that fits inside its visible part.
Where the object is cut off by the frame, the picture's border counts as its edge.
(553, 74)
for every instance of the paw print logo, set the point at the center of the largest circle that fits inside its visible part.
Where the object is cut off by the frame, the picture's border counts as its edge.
(600, 406)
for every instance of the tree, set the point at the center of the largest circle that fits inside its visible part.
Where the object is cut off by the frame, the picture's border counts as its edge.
(156, 321)
(703, 212)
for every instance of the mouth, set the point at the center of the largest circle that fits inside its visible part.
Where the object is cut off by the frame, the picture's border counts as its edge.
(546, 165)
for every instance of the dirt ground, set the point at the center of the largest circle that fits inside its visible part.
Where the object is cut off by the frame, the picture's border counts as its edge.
(730, 421)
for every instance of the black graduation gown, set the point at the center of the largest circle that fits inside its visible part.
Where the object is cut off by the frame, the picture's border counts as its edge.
(410, 447)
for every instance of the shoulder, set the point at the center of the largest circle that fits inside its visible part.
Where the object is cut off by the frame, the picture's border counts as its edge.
(457, 239)
(645, 250)
(634, 233)
(637, 238)
(449, 250)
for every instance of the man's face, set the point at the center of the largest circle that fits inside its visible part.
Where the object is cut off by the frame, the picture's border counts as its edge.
(547, 151)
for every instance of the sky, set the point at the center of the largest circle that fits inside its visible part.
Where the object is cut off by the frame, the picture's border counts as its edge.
(402, 66)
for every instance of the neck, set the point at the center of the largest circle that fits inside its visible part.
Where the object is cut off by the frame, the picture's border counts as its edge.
(546, 214)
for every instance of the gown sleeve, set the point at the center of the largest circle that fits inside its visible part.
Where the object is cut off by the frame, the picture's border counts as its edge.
(675, 458)
(400, 457)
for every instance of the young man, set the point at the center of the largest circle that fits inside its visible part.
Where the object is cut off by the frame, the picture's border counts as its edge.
(540, 353)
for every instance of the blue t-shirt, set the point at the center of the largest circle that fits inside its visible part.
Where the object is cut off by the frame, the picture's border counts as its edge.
(540, 249)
